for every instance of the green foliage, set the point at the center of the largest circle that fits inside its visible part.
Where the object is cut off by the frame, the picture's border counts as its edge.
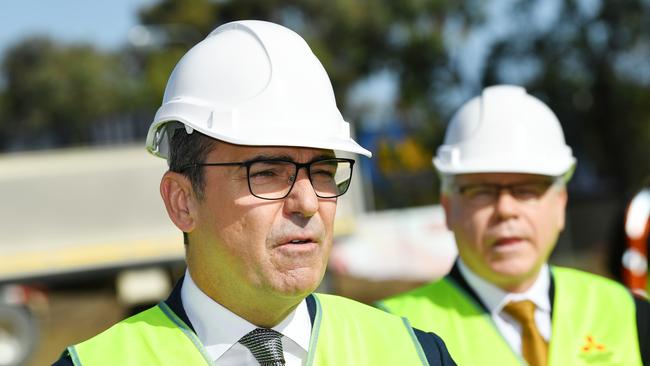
(159, 65)
(58, 91)
(185, 20)
(589, 64)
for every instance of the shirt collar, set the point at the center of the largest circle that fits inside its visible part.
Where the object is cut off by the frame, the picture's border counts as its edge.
(219, 328)
(495, 298)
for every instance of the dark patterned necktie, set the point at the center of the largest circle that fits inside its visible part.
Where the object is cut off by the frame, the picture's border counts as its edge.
(266, 345)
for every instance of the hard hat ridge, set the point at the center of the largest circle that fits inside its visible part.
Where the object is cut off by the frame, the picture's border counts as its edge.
(504, 130)
(253, 83)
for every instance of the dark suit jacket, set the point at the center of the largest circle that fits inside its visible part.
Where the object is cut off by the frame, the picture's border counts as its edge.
(642, 311)
(434, 348)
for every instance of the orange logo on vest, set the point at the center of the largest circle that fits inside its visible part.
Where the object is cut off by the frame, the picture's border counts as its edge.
(592, 344)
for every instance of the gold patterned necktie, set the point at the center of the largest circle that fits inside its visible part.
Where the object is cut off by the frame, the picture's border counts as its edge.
(533, 346)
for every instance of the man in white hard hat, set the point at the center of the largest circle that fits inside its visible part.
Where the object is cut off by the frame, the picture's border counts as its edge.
(504, 165)
(250, 128)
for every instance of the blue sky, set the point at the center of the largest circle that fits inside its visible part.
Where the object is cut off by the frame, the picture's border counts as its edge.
(103, 23)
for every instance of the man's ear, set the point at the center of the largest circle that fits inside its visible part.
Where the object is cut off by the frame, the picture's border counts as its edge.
(180, 202)
(446, 205)
(563, 198)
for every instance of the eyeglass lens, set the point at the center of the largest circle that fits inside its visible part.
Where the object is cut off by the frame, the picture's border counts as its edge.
(488, 193)
(273, 179)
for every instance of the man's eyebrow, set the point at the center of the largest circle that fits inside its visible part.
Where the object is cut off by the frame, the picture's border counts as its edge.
(287, 157)
(323, 156)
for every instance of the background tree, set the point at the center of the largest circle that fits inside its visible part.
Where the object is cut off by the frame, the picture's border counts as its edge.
(55, 93)
(586, 59)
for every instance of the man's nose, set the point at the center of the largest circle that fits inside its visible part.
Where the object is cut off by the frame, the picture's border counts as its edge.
(302, 199)
(506, 204)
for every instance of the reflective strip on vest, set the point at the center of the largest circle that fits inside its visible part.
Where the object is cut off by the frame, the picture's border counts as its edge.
(594, 322)
(344, 333)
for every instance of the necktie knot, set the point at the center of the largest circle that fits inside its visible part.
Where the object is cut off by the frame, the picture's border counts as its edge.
(265, 345)
(521, 311)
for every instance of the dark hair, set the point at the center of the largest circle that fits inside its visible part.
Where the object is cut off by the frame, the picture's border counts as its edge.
(186, 149)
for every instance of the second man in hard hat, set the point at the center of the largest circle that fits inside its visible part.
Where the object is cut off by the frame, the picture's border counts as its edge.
(250, 127)
(504, 166)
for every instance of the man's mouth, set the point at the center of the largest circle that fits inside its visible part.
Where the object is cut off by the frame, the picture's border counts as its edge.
(297, 240)
(507, 241)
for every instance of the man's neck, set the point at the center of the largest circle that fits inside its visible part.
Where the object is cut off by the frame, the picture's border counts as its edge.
(247, 305)
(265, 315)
(506, 284)
(492, 294)
(518, 287)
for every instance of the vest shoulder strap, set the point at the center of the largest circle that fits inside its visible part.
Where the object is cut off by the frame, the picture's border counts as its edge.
(154, 336)
(346, 332)
(446, 309)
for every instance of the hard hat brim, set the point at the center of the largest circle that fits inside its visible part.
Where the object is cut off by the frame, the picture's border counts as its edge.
(547, 168)
(158, 140)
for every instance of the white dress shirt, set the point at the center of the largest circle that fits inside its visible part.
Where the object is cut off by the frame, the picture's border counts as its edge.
(219, 329)
(495, 299)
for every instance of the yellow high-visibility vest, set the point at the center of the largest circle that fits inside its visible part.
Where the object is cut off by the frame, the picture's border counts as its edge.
(344, 332)
(594, 322)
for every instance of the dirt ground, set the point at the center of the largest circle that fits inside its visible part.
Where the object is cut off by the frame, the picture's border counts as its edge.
(73, 315)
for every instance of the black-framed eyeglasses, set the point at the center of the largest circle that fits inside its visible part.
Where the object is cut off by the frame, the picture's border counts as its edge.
(273, 179)
(483, 194)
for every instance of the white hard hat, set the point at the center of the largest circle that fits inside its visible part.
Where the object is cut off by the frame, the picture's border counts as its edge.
(504, 130)
(252, 83)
